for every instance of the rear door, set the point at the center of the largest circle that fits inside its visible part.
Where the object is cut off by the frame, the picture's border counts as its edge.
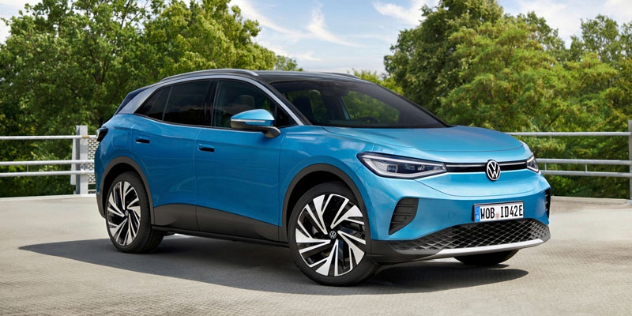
(164, 143)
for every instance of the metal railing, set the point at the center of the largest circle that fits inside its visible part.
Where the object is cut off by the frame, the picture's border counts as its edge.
(82, 169)
(586, 162)
(84, 146)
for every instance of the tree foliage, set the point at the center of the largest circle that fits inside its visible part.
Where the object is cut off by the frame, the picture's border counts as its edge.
(423, 61)
(207, 35)
(285, 63)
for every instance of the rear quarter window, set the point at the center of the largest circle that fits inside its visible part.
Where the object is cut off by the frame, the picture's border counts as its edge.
(154, 107)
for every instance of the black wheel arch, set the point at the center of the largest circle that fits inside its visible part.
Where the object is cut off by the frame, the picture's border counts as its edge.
(116, 167)
(306, 179)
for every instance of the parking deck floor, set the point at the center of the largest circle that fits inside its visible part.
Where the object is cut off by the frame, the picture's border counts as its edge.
(56, 258)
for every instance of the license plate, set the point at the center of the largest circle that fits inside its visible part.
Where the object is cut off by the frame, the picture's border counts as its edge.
(498, 211)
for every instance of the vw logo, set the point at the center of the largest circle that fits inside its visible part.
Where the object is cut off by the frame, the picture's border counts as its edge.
(492, 170)
(332, 234)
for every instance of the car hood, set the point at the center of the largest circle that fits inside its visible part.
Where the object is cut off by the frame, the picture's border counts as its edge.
(455, 144)
(457, 138)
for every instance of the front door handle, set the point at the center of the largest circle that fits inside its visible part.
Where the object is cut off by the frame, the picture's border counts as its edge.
(143, 140)
(207, 148)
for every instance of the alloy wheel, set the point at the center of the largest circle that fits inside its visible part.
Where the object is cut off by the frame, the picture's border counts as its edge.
(123, 213)
(330, 235)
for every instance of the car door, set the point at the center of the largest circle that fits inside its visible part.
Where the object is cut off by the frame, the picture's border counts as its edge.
(238, 171)
(164, 143)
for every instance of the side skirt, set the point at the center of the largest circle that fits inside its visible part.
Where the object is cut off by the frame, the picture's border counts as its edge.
(221, 236)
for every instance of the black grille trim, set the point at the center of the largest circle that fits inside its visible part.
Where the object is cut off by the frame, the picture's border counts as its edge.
(547, 201)
(480, 167)
(478, 235)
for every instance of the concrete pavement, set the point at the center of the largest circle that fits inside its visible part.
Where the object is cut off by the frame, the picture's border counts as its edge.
(56, 258)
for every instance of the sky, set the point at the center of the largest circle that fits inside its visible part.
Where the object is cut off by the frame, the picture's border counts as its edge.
(337, 35)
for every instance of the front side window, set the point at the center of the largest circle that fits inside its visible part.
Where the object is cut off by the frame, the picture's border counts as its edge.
(233, 97)
(354, 104)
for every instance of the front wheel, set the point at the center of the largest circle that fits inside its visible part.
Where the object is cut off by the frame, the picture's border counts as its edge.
(487, 259)
(127, 215)
(328, 234)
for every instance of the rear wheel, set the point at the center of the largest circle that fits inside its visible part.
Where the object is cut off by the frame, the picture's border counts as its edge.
(328, 234)
(487, 259)
(127, 215)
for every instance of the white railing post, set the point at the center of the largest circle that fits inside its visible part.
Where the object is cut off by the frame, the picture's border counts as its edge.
(80, 152)
(630, 152)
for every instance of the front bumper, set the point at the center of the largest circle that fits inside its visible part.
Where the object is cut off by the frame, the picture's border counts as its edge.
(463, 240)
(443, 224)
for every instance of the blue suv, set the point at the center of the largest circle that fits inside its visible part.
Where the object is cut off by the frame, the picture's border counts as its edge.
(345, 173)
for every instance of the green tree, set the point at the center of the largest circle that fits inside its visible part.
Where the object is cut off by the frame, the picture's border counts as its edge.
(603, 36)
(546, 36)
(423, 61)
(507, 73)
(204, 35)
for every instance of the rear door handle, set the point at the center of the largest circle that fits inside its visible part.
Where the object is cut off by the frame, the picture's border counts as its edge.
(207, 148)
(142, 140)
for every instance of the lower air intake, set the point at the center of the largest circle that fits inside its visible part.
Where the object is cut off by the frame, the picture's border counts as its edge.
(403, 214)
(478, 235)
(547, 201)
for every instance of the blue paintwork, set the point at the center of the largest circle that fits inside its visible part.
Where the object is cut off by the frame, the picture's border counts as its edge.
(241, 175)
(246, 173)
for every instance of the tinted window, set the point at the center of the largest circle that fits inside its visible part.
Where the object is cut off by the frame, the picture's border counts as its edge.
(354, 104)
(234, 97)
(155, 105)
(186, 103)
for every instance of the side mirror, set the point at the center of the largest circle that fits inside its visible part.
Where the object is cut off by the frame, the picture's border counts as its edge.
(255, 120)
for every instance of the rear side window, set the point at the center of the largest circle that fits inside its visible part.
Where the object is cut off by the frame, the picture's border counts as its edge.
(154, 107)
(186, 103)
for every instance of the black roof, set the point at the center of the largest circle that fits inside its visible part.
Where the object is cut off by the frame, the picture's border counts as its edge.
(268, 75)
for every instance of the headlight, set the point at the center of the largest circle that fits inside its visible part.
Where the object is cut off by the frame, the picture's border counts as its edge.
(532, 164)
(400, 167)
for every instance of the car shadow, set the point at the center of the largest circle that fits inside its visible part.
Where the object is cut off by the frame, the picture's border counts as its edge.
(268, 268)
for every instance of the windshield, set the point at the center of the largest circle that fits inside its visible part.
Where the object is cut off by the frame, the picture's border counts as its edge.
(354, 104)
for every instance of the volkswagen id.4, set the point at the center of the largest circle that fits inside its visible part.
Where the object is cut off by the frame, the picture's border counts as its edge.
(347, 174)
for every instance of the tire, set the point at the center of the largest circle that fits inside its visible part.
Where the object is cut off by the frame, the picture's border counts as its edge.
(127, 216)
(487, 259)
(328, 236)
